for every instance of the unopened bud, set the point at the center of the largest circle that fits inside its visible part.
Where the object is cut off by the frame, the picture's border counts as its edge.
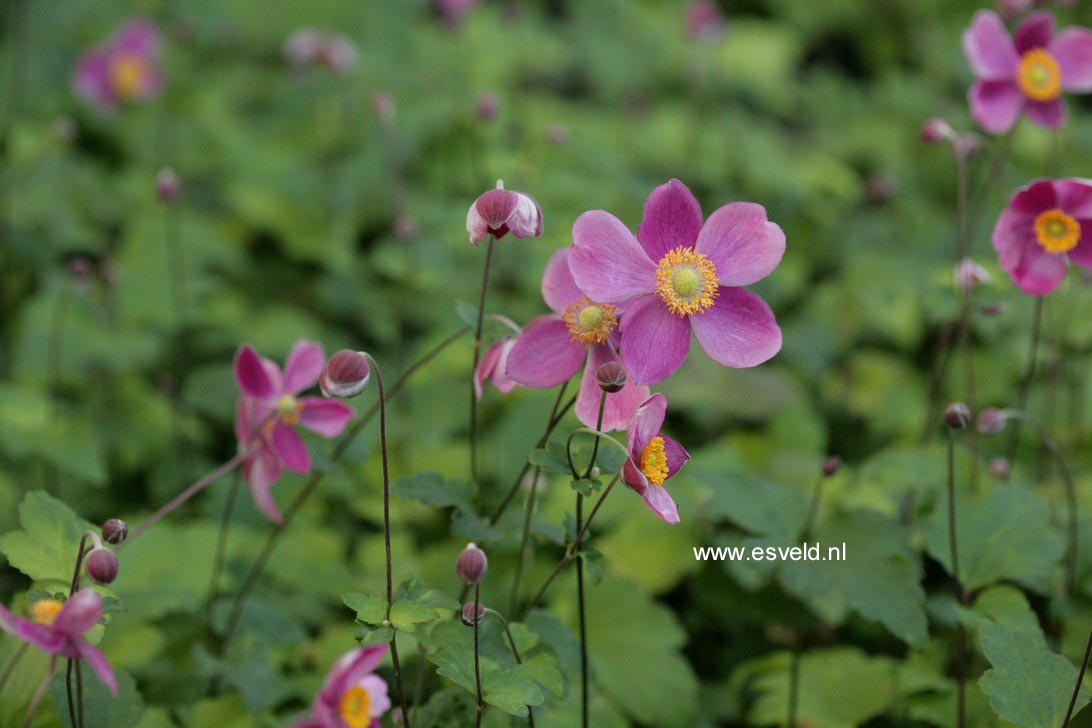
(167, 186)
(468, 616)
(115, 531)
(102, 566)
(487, 106)
(611, 377)
(968, 145)
(1000, 468)
(831, 465)
(937, 131)
(991, 421)
(969, 275)
(345, 375)
(595, 472)
(498, 212)
(472, 565)
(957, 416)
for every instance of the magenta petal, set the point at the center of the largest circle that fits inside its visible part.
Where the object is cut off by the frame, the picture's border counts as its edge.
(1072, 49)
(350, 668)
(545, 355)
(619, 407)
(1074, 197)
(303, 367)
(743, 245)
(27, 631)
(326, 417)
(672, 218)
(138, 36)
(98, 664)
(654, 340)
(1082, 254)
(91, 80)
(645, 425)
(660, 502)
(1034, 198)
(80, 613)
(486, 366)
(606, 260)
(988, 47)
(676, 454)
(634, 478)
(558, 287)
(1035, 32)
(1049, 114)
(262, 470)
(738, 330)
(1038, 272)
(995, 105)
(253, 376)
(289, 447)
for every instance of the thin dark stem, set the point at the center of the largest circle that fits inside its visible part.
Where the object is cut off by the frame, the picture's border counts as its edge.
(40, 692)
(68, 693)
(73, 586)
(1029, 376)
(993, 177)
(477, 357)
(1080, 679)
(79, 691)
(419, 684)
(525, 539)
(12, 663)
(515, 654)
(598, 427)
(813, 506)
(221, 546)
(176, 277)
(958, 585)
(941, 358)
(477, 660)
(398, 678)
(582, 612)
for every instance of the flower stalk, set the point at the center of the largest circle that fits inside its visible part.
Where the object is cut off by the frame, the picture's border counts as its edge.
(477, 356)
(1080, 679)
(1024, 392)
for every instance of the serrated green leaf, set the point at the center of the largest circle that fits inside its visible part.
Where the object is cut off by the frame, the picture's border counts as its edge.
(369, 608)
(415, 590)
(46, 546)
(433, 489)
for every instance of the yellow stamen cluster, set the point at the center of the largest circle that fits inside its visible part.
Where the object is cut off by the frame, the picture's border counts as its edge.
(590, 322)
(289, 408)
(654, 461)
(1039, 76)
(128, 74)
(355, 707)
(1057, 232)
(686, 281)
(45, 611)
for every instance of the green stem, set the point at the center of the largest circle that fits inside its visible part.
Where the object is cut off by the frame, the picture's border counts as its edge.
(961, 596)
(40, 692)
(1080, 679)
(1029, 376)
(477, 357)
(221, 547)
(480, 703)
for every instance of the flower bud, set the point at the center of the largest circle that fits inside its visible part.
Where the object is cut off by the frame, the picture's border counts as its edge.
(1000, 468)
(487, 106)
(992, 421)
(468, 614)
(345, 375)
(472, 565)
(383, 106)
(957, 416)
(115, 531)
(937, 131)
(595, 472)
(704, 20)
(993, 309)
(831, 465)
(101, 565)
(969, 275)
(557, 133)
(611, 377)
(499, 212)
(968, 145)
(167, 186)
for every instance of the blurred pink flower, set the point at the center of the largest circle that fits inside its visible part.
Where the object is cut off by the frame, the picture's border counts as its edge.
(353, 696)
(653, 458)
(124, 69)
(311, 47)
(455, 10)
(704, 20)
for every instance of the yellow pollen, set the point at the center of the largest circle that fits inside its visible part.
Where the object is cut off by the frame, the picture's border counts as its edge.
(1057, 232)
(45, 611)
(127, 75)
(1039, 76)
(590, 322)
(290, 409)
(355, 708)
(654, 461)
(686, 281)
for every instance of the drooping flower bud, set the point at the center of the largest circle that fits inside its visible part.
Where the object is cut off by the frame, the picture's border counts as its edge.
(102, 566)
(499, 212)
(937, 131)
(957, 416)
(1000, 468)
(167, 186)
(992, 421)
(472, 565)
(831, 465)
(115, 531)
(468, 616)
(969, 275)
(487, 106)
(611, 377)
(345, 375)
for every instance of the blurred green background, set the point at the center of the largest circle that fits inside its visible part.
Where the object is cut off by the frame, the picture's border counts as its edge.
(306, 210)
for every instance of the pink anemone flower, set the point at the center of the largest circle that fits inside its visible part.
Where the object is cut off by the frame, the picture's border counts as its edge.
(58, 628)
(125, 69)
(493, 368)
(353, 696)
(653, 458)
(269, 410)
(1026, 72)
(498, 212)
(678, 275)
(1045, 225)
(580, 331)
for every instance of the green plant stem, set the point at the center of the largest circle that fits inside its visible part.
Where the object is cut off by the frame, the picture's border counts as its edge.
(515, 654)
(81, 551)
(221, 546)
(579, 544)
(958, 585)
(1029, 376)
(477, 357)
(12, 663)
(794, 682)
(480, 703)
(1080, 679)
(40, 692)
(525, 539)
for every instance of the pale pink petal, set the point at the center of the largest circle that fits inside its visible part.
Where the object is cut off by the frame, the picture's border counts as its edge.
(1074, 197)
(80, 613)
(545, 354)
(676, 454)
(326, 417)
(303, 367)
(377, 691)
(660, 502)
(1048, 114)
(98, 664)
(995, 105)
(1038, 272)
(738, 330)
(1035, 32)
(558, 287)
(672, 218)
(620, 406)
(645, 425)
(606, 260)
(654, 340)
(91, 81)
(350, 669)
(253, 375)
(290, 448)
(486, 366)
(743, 245)
(138, 36)
(1072, 49)
(989, 48)
(500, 378)
(262, 470)
(27, 631)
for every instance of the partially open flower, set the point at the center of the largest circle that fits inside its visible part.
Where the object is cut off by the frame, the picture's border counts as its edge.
(611, 377)
(831, 465)
(969, 275)
(167, 185)
(500, 211)
(493, 367)
(704, 20)
(102, 566)
(937, 131)
(311, 47)
(992, 421)
(1000, 468)
(487, 106)
(472, 565)
(345, 375)
(653, 458)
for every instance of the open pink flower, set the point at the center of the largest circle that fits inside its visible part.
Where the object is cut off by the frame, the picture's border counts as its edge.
(269, 410)
(653, 458)
(679, 274)
(493, 367)
(581, 331)
(1026, 72)
(353, 696)
(1045, 225)
(125, 69)
(498, 212)
(59, 628)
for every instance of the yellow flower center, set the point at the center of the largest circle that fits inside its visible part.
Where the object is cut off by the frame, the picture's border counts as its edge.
(356, 708)
(654, 461)
(1039, 76)
(45, 611)
(1057, 232)
(686, 281)
(127, 75)
(590, 322)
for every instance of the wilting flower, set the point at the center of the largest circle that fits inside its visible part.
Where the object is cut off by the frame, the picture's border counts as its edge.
(1045, 224)
(581, 331)
(1026, 72)
(678, 274)
(58, 628)
(125, 69)
(653, 458)
(269, 410)
(311, 47)
(494, 368)
(499, 212)
(353, 696)
(704, 20)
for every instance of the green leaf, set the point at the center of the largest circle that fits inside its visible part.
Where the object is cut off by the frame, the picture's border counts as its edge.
(369, 608)
(415, 590)
(524, 638)
(434, 490)
(585, 487)
(368, 636)
(543, 669)
(552, 459)
(46, 547)
(249, 670)
(511, 691)
(405, 615)
(101, 707)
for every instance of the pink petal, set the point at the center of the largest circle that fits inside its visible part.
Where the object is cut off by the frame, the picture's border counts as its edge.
(138, 36)
(1049, 114)
(558, 287)
(607, 262)
(91, 81)
(660, 502)
(79, 614)
(1035, 32)
(486, 366)
(738, 330)
(303, 367)
(676, 454)
(526, 219)
(995, 105)
(253, 376)
(988, 47)
(1074, 197)
(634, 478)
(672, 218)
(741, 243)
(1038, 272)
(654, 340)
(326, 417)
(1072, 49)
(620, 406)
(290, 448)
(27, 631)
(98, 664)
(545, 354)
(1082, 254)
(646, 424)
(350, 669)
(262, 470)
